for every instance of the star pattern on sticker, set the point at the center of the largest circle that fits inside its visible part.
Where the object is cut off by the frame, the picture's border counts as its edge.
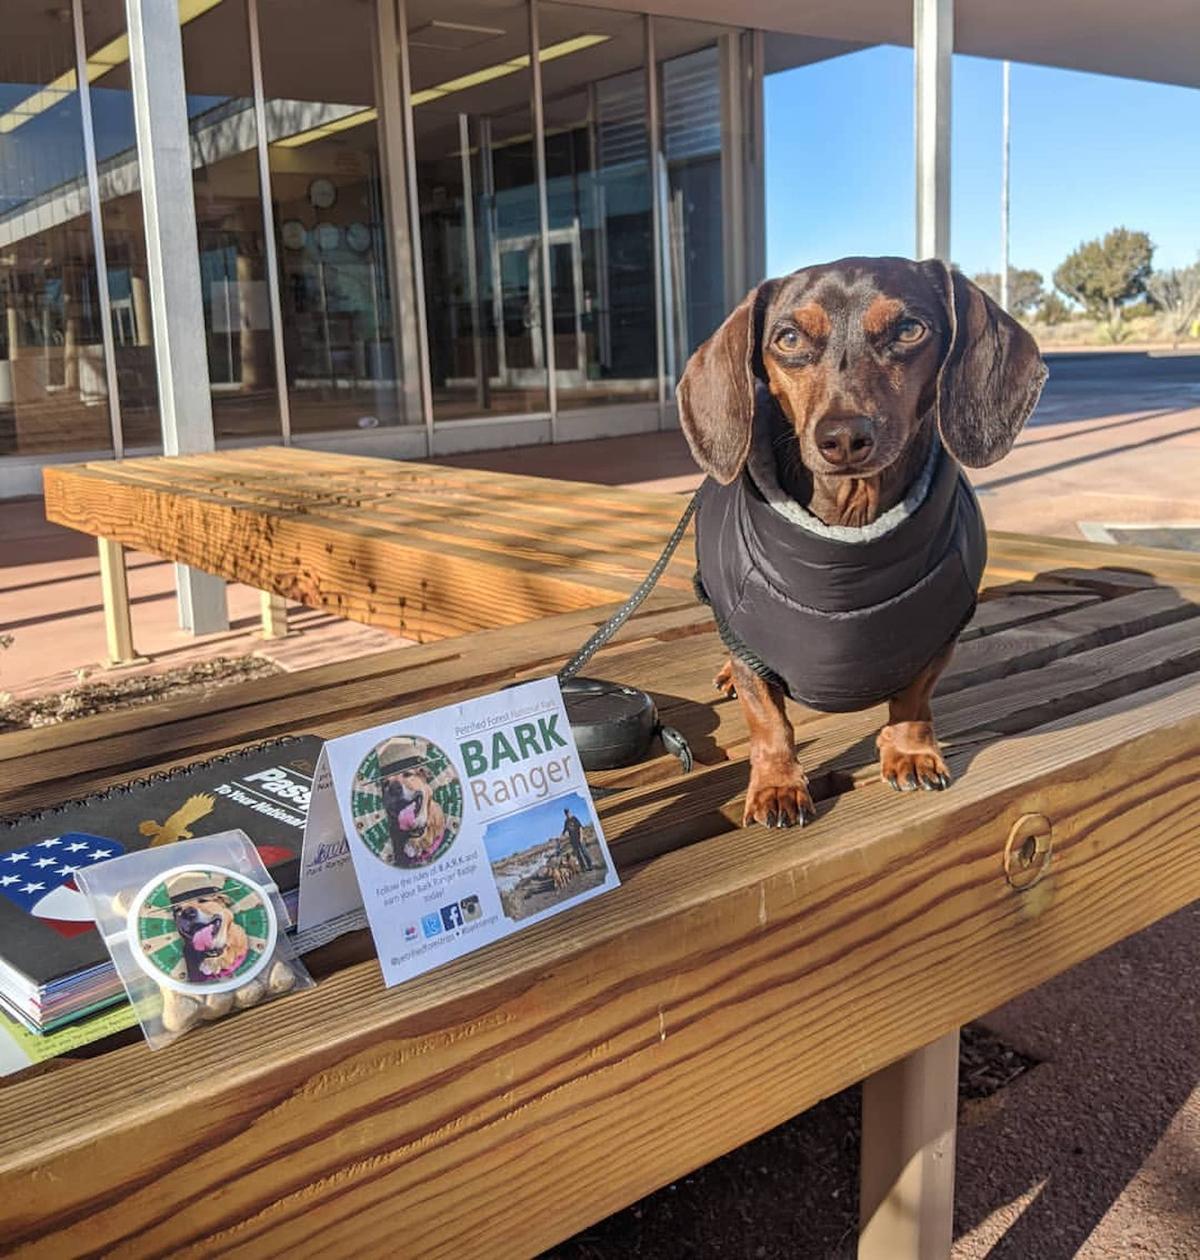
(49, 844)
(67, 868)
(97, 854)
(5, 880)
(32, 888)
(77, 847)
(50, 861)
(17, 857)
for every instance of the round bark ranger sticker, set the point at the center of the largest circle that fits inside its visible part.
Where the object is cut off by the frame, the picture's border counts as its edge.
(407, 801)
(202, 929)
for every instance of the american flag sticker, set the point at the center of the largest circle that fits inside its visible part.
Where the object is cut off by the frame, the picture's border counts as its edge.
(40, 878)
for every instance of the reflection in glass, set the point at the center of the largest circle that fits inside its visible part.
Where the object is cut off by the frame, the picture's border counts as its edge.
(229, 223)
(341, 349)
(598, 192)
(690, 93)
(53, 387)
(478, 205)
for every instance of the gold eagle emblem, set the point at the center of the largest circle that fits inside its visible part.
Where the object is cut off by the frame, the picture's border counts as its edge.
(177, 824)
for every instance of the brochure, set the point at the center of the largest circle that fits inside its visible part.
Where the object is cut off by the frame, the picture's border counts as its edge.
(454, 828)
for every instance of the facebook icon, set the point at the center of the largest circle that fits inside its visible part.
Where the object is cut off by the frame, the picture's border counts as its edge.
(451, 917)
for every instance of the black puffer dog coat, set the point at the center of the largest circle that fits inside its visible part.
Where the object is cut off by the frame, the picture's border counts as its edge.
(841, 617)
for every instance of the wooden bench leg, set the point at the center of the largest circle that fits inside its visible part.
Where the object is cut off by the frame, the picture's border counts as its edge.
(906, 1194)
(274, 616)
(114, 586)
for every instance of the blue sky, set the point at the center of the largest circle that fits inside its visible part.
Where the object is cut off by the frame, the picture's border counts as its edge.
(532, 826)
(1089, 153)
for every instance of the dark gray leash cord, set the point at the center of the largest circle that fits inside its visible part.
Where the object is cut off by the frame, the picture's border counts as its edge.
(630, 606)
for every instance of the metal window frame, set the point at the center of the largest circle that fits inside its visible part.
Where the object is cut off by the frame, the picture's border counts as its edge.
(100, 255)
(654, 171)
(266, 208)
(539, 149)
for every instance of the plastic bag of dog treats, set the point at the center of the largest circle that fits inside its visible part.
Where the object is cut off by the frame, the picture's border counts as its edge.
(196, 930)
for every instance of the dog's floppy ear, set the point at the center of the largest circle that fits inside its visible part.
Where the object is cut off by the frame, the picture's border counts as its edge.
(716, 393)
(991, 377)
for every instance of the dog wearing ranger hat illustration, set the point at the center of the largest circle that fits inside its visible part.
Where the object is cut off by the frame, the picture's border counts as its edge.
(416, 822)
(214, 943)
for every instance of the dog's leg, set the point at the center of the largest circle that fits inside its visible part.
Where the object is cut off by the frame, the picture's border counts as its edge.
(778, 792)
(724, 681)
(908, 749)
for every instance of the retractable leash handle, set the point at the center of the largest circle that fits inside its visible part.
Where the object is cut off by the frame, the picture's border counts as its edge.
(606, 732)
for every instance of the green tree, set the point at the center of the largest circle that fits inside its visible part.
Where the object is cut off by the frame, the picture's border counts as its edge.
(1103, 275)
(1024, 288)
(1052, 310)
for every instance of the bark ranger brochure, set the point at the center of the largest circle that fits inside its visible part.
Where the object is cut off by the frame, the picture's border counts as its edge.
(453, 828)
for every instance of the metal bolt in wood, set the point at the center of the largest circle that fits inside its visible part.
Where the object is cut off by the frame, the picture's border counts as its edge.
(1028, 849)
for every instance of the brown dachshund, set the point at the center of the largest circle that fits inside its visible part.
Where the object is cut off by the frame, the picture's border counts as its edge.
(838, 540)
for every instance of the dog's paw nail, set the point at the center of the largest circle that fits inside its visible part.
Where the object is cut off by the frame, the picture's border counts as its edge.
(771, 817)
(944, 780)
(891, 779)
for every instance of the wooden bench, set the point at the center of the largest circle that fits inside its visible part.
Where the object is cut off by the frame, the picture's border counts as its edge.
(423, 550)
(736, 977)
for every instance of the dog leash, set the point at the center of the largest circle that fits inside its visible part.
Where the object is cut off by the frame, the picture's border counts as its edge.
(673, 740)
(631, 605)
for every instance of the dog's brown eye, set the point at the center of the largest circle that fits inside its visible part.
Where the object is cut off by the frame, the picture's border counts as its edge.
(910, 330)
(787, 339)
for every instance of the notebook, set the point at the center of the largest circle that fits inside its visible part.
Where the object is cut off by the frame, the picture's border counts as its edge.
(53, 965)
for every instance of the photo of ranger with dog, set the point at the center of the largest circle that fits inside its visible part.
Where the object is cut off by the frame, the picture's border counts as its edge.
(544, 856)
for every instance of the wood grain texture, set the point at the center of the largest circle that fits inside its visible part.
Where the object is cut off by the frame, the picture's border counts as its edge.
(723, 988)
(422, 550)
(737, 976)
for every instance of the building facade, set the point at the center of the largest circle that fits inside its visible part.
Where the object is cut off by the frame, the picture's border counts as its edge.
(405, 229)
(413, 227)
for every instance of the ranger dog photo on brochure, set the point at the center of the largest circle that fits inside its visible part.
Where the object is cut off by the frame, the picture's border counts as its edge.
(838, 540)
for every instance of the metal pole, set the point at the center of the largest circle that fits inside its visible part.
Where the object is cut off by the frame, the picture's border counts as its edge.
(933, 44)
(414, 217)
(654, 155)
(539, 149)
(469, 247)
(268, 217)
(1005, 129)
(101, 257)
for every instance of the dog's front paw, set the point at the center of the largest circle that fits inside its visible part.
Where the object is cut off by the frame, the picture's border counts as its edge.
(778, 797)
(724, 681)
(909, 758)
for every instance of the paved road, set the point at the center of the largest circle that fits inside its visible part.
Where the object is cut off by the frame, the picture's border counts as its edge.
(1088, 386)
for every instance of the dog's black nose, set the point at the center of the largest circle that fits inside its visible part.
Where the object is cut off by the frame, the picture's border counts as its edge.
(845, 441)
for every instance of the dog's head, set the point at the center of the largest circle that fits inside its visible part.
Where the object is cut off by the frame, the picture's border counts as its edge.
(204, 922)
(858, 354)
(406, 796)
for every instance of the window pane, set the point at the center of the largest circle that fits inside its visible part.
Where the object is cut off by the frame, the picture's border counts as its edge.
(121, 215)
(229, 223)
(477, 193)
(690, 95)
(342, 342)
(53, 390)
(599, 196)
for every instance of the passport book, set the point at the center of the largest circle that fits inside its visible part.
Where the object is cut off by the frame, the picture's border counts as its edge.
(54, 967)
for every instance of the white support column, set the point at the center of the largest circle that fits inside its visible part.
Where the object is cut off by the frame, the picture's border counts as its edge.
(933, 43)
(909, 1127)
(173, 266)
